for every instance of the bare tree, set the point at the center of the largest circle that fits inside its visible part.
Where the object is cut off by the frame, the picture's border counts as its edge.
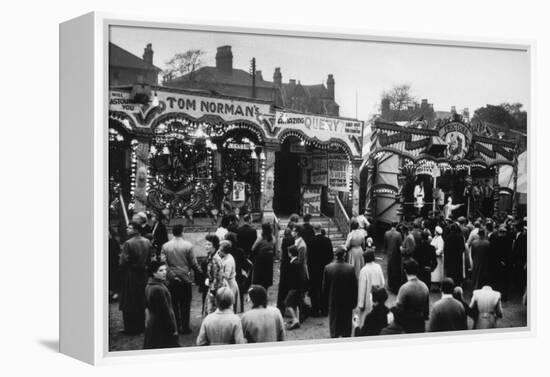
(399, 98)
(183, 63)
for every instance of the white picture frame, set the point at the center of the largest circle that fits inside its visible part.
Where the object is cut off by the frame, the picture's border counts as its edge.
(83, 164)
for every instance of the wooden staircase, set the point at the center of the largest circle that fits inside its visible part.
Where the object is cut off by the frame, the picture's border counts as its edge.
(327, 223)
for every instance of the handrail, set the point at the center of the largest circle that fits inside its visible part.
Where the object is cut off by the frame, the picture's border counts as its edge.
(341, 217)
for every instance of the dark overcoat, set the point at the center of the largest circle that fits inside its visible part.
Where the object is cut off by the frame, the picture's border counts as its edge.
(340, 288)
(481, 249)
(318, 256)
(448, 315)
(283, 281)
(424, 254)
(134, 259)
(246, 236)
(262, 259)
(160, 330)
(453, 254)
(392, 245)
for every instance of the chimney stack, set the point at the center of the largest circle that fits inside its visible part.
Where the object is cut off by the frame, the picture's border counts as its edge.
(259, 75)
(148, 54)
(466, 114)
(292, 82)
(224, 59)
(330, 86)
(453, 109)
(277, 77)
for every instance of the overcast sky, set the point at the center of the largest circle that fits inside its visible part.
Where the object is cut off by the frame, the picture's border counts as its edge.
(446, 76)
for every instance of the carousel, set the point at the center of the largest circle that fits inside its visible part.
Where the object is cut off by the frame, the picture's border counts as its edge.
(454, 168)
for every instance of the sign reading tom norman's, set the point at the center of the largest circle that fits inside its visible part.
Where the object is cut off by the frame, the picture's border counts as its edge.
(323, 128)
(191, 104)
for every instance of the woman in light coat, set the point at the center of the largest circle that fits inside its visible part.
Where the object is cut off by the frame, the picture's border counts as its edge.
(229, 271)
(355, 244)
(438, 273)
(371, 276)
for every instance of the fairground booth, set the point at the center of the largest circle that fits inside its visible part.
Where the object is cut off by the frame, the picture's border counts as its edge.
(454, 167)
(194, 153)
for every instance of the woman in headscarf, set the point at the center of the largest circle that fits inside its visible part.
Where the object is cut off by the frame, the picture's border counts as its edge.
(438, 274)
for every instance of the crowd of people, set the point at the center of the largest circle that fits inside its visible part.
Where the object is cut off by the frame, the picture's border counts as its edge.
(152, 277)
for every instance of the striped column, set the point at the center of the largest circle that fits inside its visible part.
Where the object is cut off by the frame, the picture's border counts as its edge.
(496, 192)
(370, 200)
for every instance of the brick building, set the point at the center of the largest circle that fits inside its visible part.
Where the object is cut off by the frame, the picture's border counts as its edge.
(127, 69)
(423, 110)
(227, 80)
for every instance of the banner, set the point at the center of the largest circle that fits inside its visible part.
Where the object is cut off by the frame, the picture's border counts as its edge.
(323, 128)
(458, 137)
(311, 197)
(338, 177)
(192, 104)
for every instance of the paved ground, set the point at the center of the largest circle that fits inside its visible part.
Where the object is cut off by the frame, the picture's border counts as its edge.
(515, 315)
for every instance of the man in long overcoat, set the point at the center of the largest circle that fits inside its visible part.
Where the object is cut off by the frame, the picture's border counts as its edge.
(454, 254)
(319, 255)
(481, 249)
(340, 287)
(246, 235)
(392, 247)
(134, 259)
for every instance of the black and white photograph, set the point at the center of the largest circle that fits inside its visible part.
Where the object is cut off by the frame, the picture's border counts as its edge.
(281, 188)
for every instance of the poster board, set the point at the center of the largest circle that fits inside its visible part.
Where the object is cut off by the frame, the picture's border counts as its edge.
(338, 177)
(311, 199)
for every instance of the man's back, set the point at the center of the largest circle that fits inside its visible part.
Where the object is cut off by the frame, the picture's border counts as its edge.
(136, 252)
(179, 258)
(263, 325)
(246, 236)
(340, 285)
(309, 233)
(413, 297)
(448, 315)
(486, 299)
(392, 241)
(220, 327)
(320, 254)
